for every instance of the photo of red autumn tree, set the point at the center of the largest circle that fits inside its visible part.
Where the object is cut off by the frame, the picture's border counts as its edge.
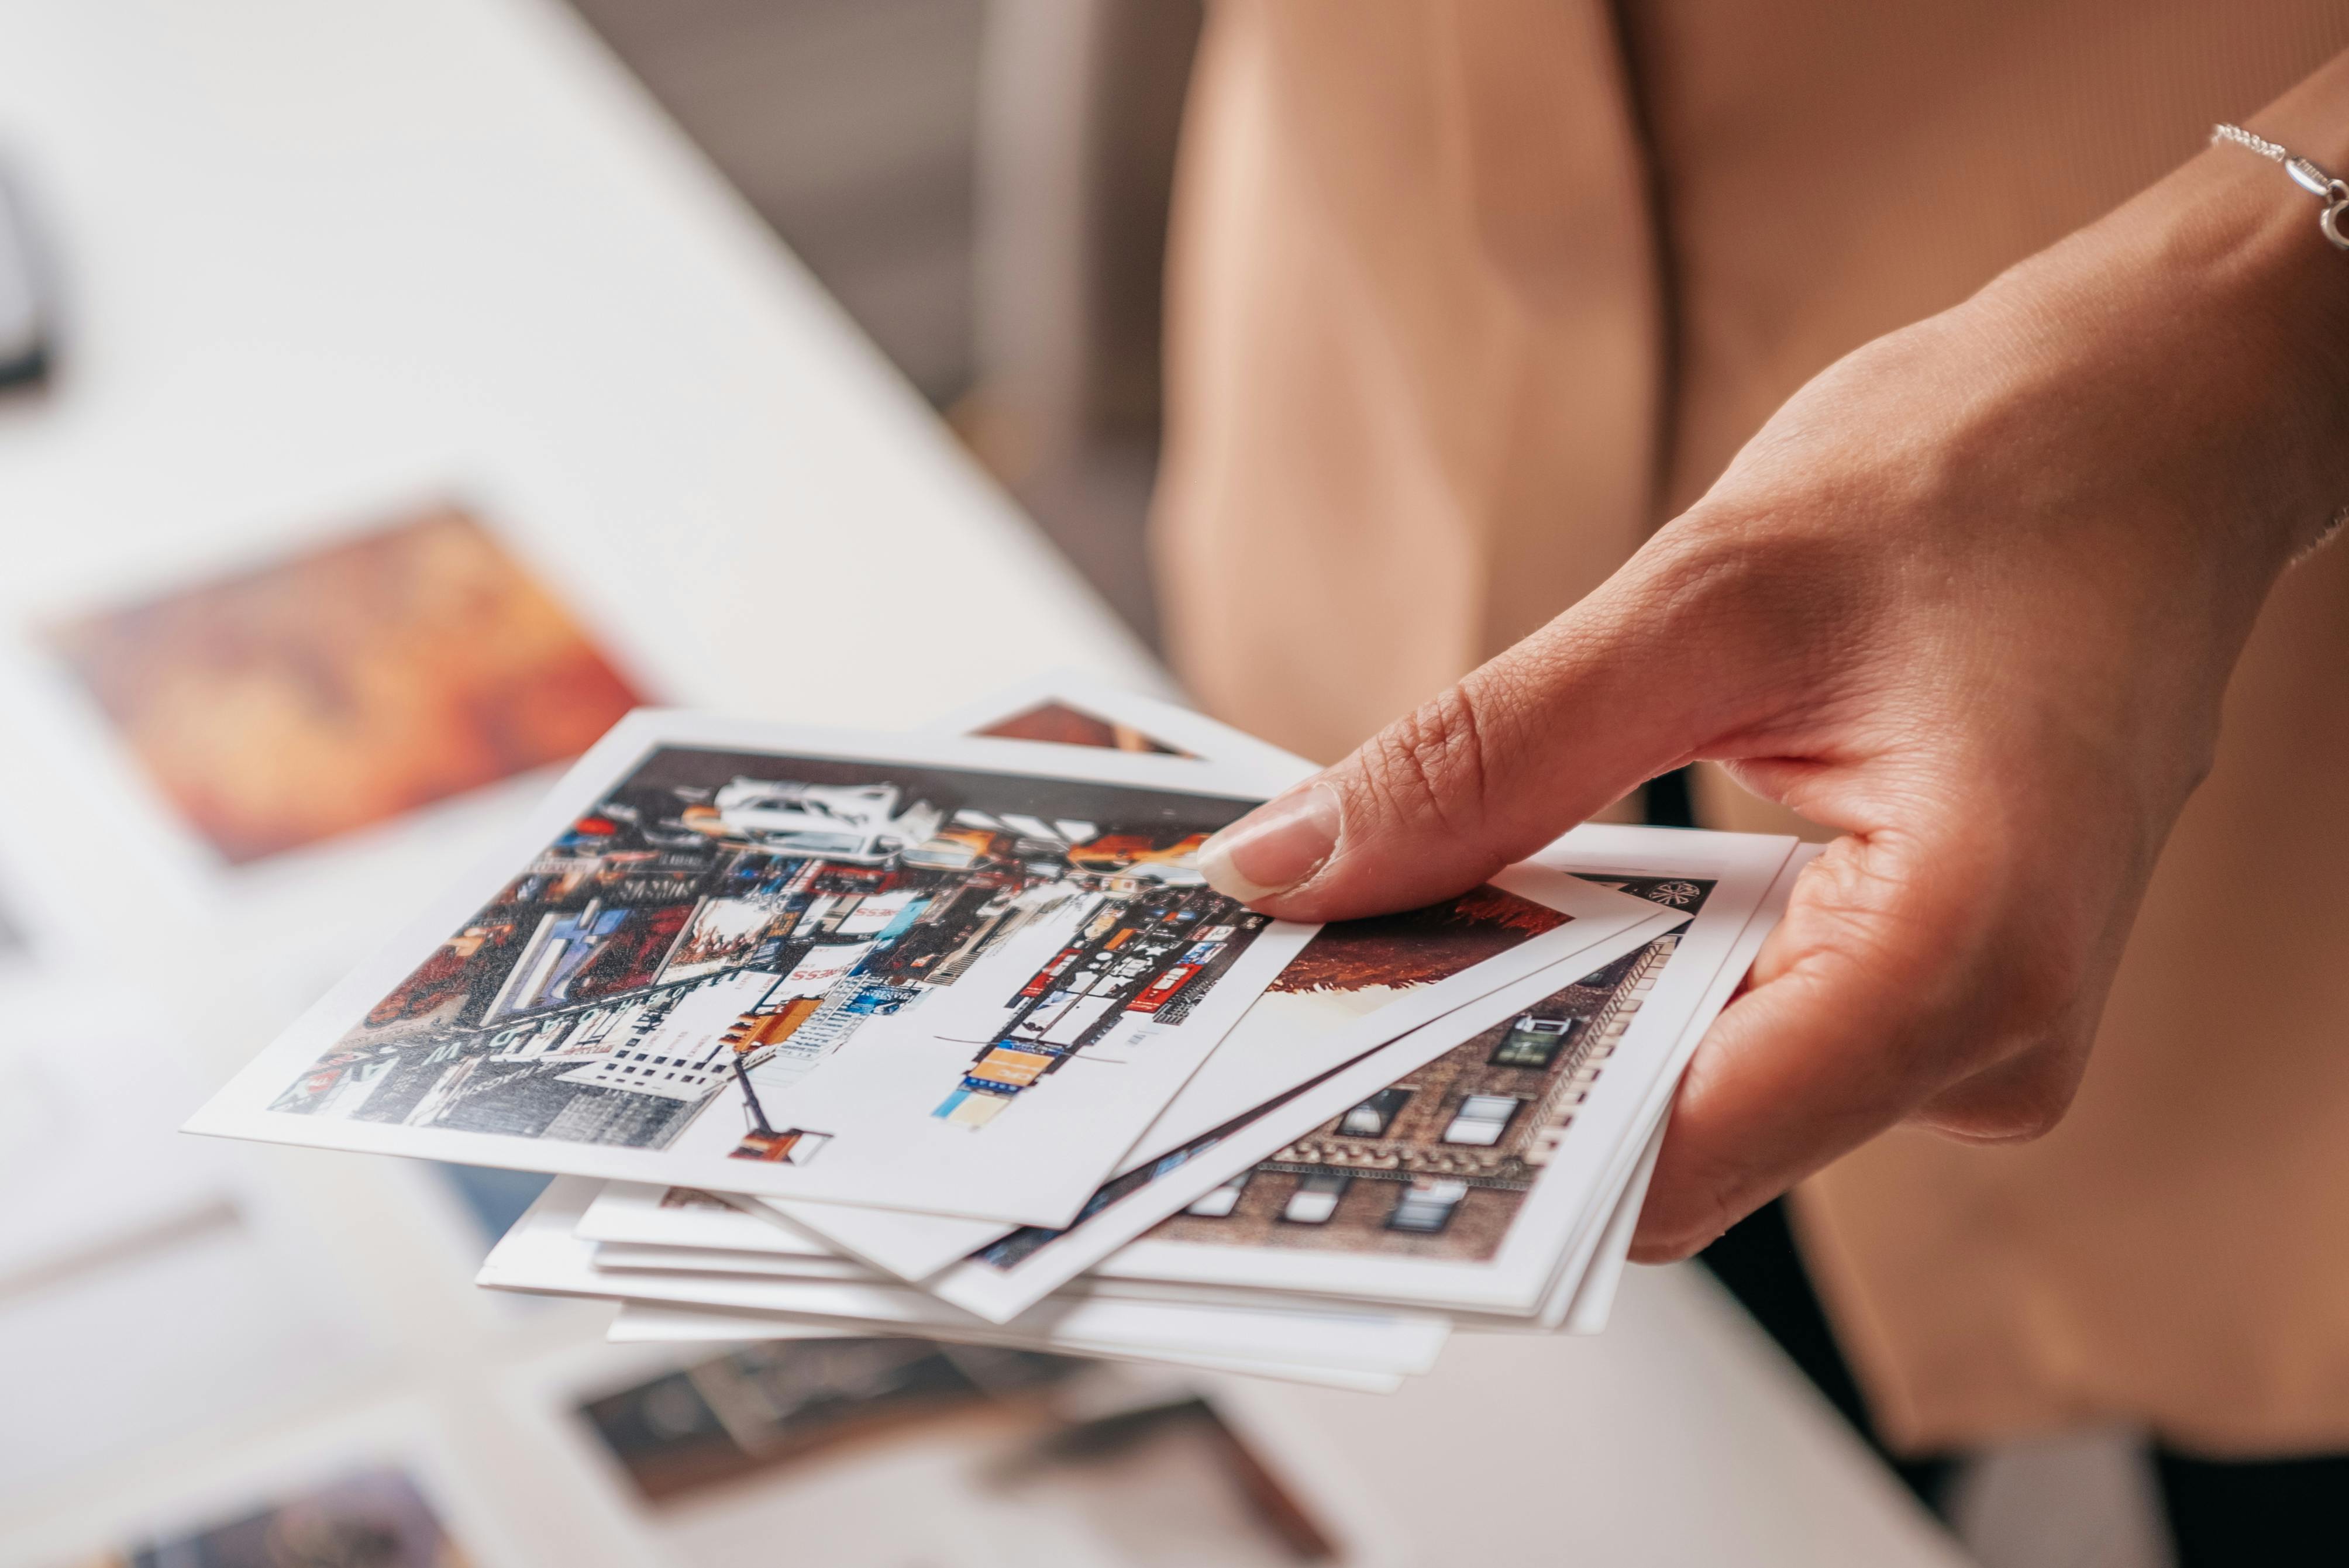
(1417, 946)
(345, 685)
(1064, 726)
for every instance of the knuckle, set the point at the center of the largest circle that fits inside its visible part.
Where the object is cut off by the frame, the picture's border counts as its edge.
(1432, 764)
(1766, 584)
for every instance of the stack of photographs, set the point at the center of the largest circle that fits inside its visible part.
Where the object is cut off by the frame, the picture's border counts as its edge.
(943, 1034)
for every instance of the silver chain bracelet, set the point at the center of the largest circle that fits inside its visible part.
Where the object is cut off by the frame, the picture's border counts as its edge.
(2311, 177)
(2308, 176)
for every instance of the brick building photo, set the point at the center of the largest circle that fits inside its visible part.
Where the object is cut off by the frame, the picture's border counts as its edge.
(1436, 1164)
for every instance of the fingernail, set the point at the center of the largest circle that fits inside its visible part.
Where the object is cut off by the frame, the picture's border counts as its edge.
(1274, 847)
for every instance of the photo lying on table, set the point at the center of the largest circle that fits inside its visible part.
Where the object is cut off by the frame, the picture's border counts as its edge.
(946, 975)
(1468, 1181)
(1018, 1457)
(346, 685)
(373, 1518)
(671, 1322)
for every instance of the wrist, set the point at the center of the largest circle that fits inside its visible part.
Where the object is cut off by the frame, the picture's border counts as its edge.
(2185, 353)
(2298, 323)
(2249, 305)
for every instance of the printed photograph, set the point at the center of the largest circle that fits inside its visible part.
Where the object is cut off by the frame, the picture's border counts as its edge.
(724, 921)
(1030, 1453)
(342, 687)
(370, 1518)
(1437, 1164)
(1065, 725)
(801, 1397)
(1349, 967)
(1366, 960)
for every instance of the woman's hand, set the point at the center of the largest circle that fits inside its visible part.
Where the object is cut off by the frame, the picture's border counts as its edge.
(1971, 597)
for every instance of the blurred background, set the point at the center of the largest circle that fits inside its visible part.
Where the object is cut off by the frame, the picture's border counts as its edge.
(984, 188)
(391, 393)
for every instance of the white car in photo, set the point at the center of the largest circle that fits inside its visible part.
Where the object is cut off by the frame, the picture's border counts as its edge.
(858, 822)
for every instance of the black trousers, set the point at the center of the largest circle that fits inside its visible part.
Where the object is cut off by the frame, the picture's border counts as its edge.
(2275, 1511)
(2219, 1512)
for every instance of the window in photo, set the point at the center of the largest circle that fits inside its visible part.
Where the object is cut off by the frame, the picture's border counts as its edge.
(1219, 1203)
(1315, 1199)
(1375, 1115)
(1426, 1207)
(1482, 1119)
(1534, 1042)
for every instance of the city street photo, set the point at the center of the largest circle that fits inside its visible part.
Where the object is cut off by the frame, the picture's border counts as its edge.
(777, 969)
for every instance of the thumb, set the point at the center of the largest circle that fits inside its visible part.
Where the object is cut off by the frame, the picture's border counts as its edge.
(1480, 776)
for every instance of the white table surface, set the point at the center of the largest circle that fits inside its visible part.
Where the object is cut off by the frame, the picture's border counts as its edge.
(323, 258)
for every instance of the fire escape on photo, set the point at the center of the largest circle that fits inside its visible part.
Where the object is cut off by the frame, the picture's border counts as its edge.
(1137, 960)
